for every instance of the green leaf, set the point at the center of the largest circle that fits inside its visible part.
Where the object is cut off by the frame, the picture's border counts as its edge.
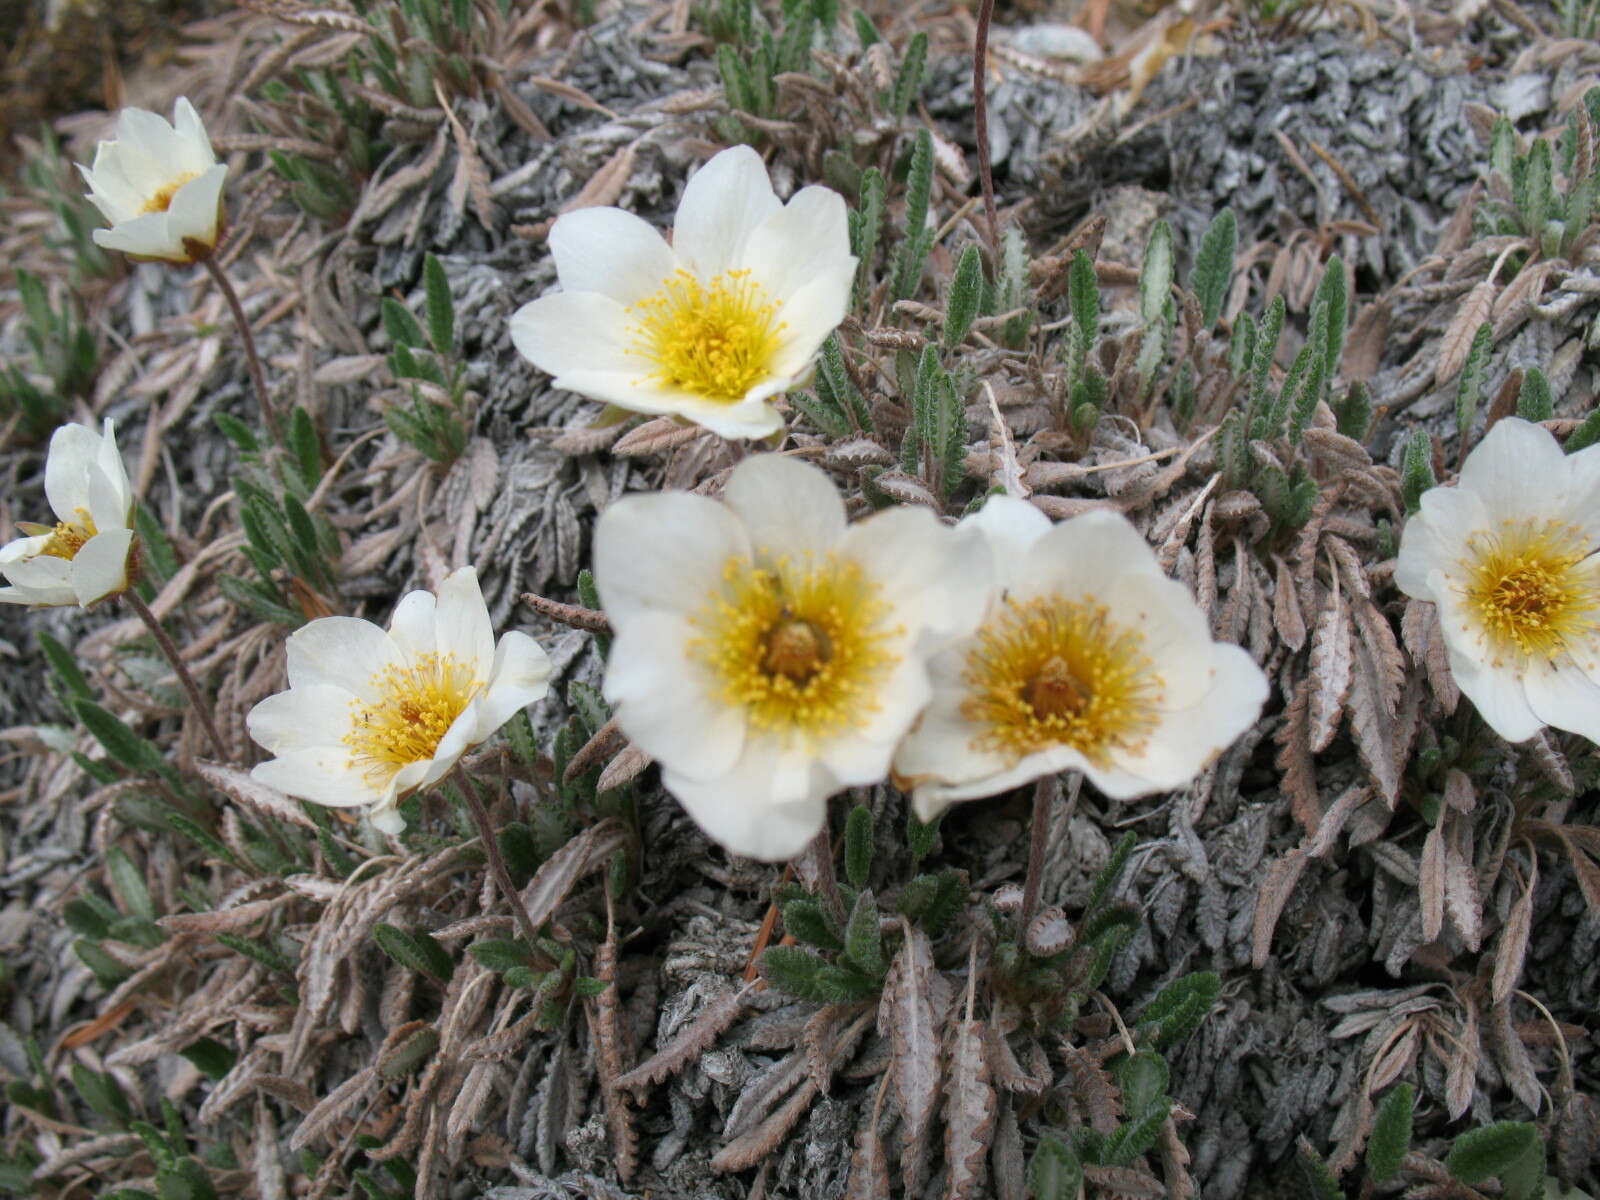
(1155, 277)
(129, 883)
(1585, 435)
(401, 326)
(305, 445)
(1127, 1142)
(237, 432)
(961, 302)
(1538, 190)
(921, 838)
(102, 1093)
(1055, 1172)
(1083, 297)
(1316, 1180)
(863, 936)
(1213, 265)
(411, 1054)
(793, 970)
(441, 308)
(1178, 1008)
(108, 971)
(210, 1057)
(1391, 1134)
(841, 388)
(918, 239)
(807, 921)
(1416, 468)
(866, 32)
(65, 667)
(414, 949)
(1109, 874)
(1266, 353)
(257, 950)
(1534, 400)
(1502, 147)
(123, 745)
(865, 230)
(858, 845)
(1143, 1078)
(908, 80)
(1481, 1154)
(1353, 413)
(933, 901)
(89, 916)
(1469, 386)
(1330, 309)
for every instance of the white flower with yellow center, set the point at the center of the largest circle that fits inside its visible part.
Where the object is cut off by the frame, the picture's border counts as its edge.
(1508, 556)
(767, 654)
(371, 716)
(83, 557)
(1088, 659)
(159, 185)
(710, 328)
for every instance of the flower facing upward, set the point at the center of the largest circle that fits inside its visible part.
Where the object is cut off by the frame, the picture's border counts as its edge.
(766, 653)
(83, 557)
(159, 185)
(709, 328)
(1508, 556)
(1088, 659)
(371, 716)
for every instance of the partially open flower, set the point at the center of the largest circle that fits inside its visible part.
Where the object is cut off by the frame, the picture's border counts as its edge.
(767, 654)
(1088, 659)
(83, 557)
(1509, 557)
(709, 328)
(159, 185)
(371, 716)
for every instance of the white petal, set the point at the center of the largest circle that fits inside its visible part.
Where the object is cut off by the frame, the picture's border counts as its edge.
(146, 150)
(101, 565)
(45, 597)
(860, 757)
(461, 625)
(665, 703)
(145, 236)
(24, 549)
(1512, 467)
(723, 203)
(749, 418)
(931, 799)
(457, 740)
(322, 776)
(1079, 555)
(1581, 501)
(1011, 527)
(73, 451)
(411, 626)
(811, 314)
(663, 553)
(1187, 740)
(787, 507)
(1463, 630)
(346, 652)
(192, 131)
(943, 744)
(1435, 538)
(939, 580)
(520, 677)
(1498, 695)
(806, 237)
(196, 208)
(1563, 696)
(575, 331)
(612, 252)
(1176, 635)
(116, 471)
(735, 810)
(109, 191)
(313, 717)
(43, 571)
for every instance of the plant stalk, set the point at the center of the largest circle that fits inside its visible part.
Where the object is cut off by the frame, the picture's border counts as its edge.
(257, 379)
(980, 119)
(169, 649)
(497, 863)
(1044, 795)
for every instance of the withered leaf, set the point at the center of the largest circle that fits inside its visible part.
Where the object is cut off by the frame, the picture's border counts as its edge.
(906, 1016)
(869, 1166)
(690, 1042)
(969, 1112)
(1332, 666)
(555, 878)
(246, 790)
(1461, 1076)
(1294, 760)
(1286, 614)
(656, 436)
(1474, 310)
(1513, 947)
(1430, 885)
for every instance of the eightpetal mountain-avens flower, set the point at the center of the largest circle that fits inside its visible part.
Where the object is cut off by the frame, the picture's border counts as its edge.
(83, 557)
(159, 185)
(1508, 556)
(710, 328)
(1088, 659)
(767, 654)
(371, 716)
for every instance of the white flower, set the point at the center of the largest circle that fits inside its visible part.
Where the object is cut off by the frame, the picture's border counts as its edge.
(159, 185)
(370, 716)
(767, 654)
(1088, 659)
(1508, 556)
(709, 328)
(84, 556)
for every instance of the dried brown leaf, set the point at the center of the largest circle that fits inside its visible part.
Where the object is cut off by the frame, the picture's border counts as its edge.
(689, 1042)
(591, 849)
(969, 1112)
(1286, 614)
(906, 1016)
(1461, 1075)
(1430, 884)
(1093, 1088)
(656, 436)
(869, 1166)
(1332, 669)
(1294, 760)
(1473, 311)
(246, 790)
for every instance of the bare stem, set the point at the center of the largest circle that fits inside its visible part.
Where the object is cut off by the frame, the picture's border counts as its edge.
(197, 701)
(1044, 794)
(497, 864)
(257, 379)
(980, 117)
(822, 852)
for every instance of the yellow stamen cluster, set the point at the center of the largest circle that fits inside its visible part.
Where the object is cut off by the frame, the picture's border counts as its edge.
(1532, 587)
(162, 200)
(800, 644)
(715, 339)
(1054, 672)
(68, 537)
(417, 703)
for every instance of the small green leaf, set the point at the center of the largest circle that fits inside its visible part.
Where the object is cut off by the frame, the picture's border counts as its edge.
(1469, 386)
(1353, 413)
(807, 921)
(918, 240)
(108, 971)
(1585, 435)
(1213, 265)
(1330, 309)
(121, 743)
(306, 446)
(65, 667)
(500, 954)
(440, 307)
(1391, 1134)
(401, 326)
(1534, 401)
(102, 1093)
(921, 838)
(1055, 1172)
(210, 1057)
(1083, 296)
(1109, 874)
(1481, 1154)
(1416, 469)
(129, 883)
(237, 432)
(1128, 1141)
(1316, 1180)
(1178, 1008)
(858, 845)
(863, 936)
(1155, 277)
(961, 302)
(908, 80)
(795, 971)
(1143, 1078)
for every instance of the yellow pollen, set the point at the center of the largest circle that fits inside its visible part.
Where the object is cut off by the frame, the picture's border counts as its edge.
(162, 200)
(416, 704)
(1533, 587)
(68, 537)
(715, 339)
(801, 644)
(1057, 672)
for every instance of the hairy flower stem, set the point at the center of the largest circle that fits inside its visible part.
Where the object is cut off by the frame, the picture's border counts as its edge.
(497, 863)
(257, 379)
(197, 700)
(980, 118)
(827, 879)
(1044, 795)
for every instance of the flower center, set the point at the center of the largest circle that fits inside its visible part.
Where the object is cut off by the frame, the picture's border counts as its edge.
(162, 200)
(716, 339)
(68, 537)
(1532, 587)
(416, 704)
(1056, 672)
(802, 645)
